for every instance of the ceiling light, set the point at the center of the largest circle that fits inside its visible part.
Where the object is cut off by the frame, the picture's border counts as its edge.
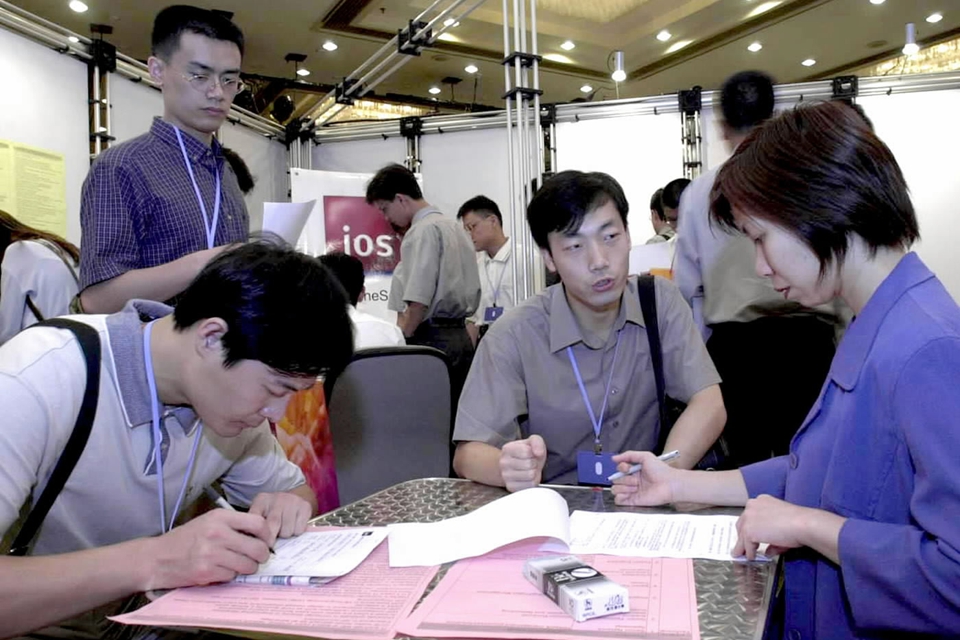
(557, 57)
(568, 45)
(450, 22)
(303, 73)
(448, 37)
(433, 90)
(679, 44)
(619, 74)
(329, 45)
(471, 68)
(911, 48)
(809, 62)
(78, 6)
(934, 18)
(763, 8)
(876, 1)
(586, 88)
(74, 39)
(664, 35)
(754, 47)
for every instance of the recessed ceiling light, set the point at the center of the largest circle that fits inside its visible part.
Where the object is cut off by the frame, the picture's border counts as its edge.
(664, 35)
(568, 45)
(450, 22)
(74, 39)
(329, 45)
(586, 88)
(763, 8)
(679, 44)
(433, 90)
(809, 62)
(78, 6)
(303, 73)
(448, 37)
(754, 47)
(876, 1)
(934, 18)
(556, 57)
(471, 68)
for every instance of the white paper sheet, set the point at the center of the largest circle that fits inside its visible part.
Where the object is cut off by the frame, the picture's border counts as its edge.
(286, 219)
(659, 255)
(327, 554)
(536, 512)
(654, 535)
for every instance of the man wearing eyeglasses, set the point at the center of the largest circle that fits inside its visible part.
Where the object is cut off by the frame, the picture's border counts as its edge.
(157, 208)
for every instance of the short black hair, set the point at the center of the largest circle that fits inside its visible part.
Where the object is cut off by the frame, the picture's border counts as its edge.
(391, 180)
(819, 172)
(245, 179)
(348, 270)
(482, 206)
(746, 100)
(673, 191)
(566, 198)
(175, 20)
(656, 203)
(282, 308)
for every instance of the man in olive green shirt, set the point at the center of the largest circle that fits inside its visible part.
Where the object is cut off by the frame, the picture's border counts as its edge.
(522, 418)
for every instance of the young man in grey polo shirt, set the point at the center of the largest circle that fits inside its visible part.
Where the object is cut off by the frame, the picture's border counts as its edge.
(183, 401)
(523, 418)
(436, 286)
(157, 208)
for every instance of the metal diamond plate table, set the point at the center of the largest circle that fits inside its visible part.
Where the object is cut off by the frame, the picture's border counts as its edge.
(732, 598)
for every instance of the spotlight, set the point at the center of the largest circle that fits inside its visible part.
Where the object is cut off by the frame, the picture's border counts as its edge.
(618, 75)
(911, 48)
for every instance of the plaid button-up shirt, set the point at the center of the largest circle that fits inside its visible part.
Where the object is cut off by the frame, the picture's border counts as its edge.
(139, 208)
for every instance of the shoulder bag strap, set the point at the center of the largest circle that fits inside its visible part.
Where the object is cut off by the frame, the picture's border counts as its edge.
(89, 340)
(647, 292)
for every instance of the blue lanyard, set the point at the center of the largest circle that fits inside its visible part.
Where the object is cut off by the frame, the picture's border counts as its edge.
(158, 441)
(211, 227)
(597, 424)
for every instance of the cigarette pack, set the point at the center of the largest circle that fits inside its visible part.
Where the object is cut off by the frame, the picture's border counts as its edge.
(577, 588)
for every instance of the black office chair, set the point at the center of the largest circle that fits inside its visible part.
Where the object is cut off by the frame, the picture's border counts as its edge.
(390, 419)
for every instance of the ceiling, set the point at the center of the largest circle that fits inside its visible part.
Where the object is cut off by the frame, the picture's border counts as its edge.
(839, 34)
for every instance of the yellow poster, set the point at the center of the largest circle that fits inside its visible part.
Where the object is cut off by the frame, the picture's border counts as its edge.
(33, 186)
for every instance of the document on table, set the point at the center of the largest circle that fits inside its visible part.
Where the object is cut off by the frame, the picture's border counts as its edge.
(654, 535)
(286, 219)
(318, 553)
(536, 512)
(366, 604)
(488, 597)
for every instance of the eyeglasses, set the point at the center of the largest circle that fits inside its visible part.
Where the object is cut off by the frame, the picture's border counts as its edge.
(204, 83)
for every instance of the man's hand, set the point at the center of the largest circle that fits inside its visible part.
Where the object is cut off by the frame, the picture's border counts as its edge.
(521, 463)
(286, 514)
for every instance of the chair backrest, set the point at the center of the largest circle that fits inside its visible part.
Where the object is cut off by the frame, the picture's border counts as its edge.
(390, 419)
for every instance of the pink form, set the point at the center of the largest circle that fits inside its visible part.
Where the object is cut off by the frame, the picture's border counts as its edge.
(488, 597)
(366, 604)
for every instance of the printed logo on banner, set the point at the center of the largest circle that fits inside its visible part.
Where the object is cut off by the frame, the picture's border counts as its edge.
(359, 229)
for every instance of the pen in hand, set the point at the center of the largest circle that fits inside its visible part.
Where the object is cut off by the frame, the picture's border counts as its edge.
(670, 455)
(222, 503)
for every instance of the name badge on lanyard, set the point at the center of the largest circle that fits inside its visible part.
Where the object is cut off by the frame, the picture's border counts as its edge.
(209, 225)
(594, 467)
(493, 312)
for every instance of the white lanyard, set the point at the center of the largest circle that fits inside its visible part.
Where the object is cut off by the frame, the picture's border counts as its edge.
(158, 440)
(496, 291)
(210, 226)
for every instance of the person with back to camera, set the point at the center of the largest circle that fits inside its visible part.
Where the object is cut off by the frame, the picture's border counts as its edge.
(864, 505)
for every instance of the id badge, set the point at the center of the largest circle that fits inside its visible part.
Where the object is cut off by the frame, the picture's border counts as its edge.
(492, 313)
(595, 468)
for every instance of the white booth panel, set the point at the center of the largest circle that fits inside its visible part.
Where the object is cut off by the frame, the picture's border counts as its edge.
(643, 153)
(460, 165)
(44, 104)
(268, 162)
(359, 156)
(922, 133)
(133, 107)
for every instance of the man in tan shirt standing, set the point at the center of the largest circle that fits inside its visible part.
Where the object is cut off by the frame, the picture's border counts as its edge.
(565, 379)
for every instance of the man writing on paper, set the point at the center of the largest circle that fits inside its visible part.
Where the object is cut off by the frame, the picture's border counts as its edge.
(482, 219)
(183, 400)
(564, 381)
(157, 208)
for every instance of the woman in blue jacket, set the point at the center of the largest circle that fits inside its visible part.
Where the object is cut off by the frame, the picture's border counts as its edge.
(866, 506)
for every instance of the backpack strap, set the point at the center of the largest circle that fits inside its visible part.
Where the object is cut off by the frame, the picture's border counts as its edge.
(647, 292)
(89, 340)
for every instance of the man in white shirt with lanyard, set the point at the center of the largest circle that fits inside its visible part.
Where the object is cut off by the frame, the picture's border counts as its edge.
(482, 219)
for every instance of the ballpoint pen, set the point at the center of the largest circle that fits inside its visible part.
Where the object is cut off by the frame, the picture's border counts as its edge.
(222, 503)
(670, 455)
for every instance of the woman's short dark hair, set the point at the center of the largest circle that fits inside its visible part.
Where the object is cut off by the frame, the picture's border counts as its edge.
(282, 308)
(175, 20)
(566, 198)
(391, 180)
(821, 173)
